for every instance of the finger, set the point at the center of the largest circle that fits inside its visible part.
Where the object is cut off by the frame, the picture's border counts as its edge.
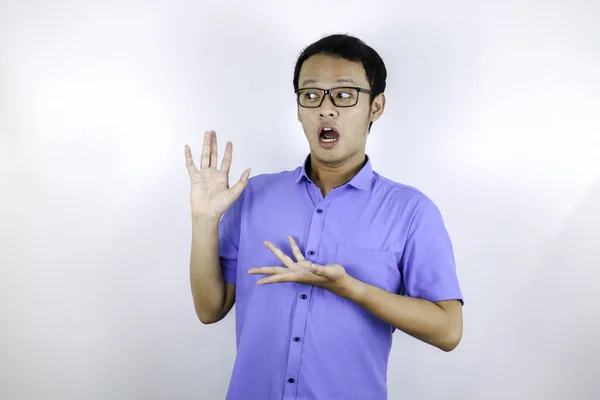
(317, 269)
(214, 150)
(205, 157)
(288, 277)
(267, 270)
(189, 162)
(273, 279)
(296, 250)
(239, 186)
(320, 270)
(292, 277)
(284, 258)
(226, 163)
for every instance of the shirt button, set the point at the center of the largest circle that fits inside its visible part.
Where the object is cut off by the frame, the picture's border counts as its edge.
(291, 380)
(303, 297)
(311, 252)
(296, 339)
(319, 211)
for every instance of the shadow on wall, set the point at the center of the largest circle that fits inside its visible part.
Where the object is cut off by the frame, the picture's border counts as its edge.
(553, 338)
(248, 74)
(561, 321)
(433, 72)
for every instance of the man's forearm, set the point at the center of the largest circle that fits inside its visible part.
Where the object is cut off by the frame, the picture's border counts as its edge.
(422, 319)
(206, 278)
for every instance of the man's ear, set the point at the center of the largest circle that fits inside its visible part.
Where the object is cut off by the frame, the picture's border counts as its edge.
(377, 107)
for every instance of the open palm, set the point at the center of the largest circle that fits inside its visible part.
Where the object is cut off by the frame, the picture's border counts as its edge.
(301, 270)
(211, 195)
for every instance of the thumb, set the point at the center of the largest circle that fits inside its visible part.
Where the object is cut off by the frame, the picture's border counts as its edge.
(239, 186)
(319, 270)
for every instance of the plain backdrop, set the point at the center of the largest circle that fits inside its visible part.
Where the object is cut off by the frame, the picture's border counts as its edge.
(492, 111)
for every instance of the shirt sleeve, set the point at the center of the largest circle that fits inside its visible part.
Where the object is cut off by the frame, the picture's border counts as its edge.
(229, 239)
(428, 264)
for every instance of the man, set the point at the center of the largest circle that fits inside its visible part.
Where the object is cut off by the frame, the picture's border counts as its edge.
(324, 262)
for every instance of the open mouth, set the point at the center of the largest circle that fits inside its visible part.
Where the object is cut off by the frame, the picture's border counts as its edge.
(328, 135)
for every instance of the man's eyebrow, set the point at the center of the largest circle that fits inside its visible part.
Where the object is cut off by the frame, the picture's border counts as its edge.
(307, 81)
(346, 80)
(341, 80)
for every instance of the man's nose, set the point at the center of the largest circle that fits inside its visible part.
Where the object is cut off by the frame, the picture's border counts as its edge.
(328, 108)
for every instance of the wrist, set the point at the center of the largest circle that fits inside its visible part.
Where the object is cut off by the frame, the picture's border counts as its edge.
(205, 221)
(206, 217)
(350, 288)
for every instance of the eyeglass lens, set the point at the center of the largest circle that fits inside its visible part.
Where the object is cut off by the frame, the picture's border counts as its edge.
(342, 97)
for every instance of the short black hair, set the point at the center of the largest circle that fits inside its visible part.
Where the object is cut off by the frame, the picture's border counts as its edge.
(352, 49)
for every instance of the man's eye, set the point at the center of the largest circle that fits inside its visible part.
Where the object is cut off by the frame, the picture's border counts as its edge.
(344, 95)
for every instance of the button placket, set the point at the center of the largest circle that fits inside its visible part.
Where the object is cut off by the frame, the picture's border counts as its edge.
(300, 316)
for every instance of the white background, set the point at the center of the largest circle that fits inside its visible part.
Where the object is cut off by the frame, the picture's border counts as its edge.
(492, 110)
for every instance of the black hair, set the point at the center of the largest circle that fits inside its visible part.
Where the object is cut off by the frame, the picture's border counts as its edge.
(352, 49)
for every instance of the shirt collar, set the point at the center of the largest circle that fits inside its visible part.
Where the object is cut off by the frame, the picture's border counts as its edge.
(362, 180)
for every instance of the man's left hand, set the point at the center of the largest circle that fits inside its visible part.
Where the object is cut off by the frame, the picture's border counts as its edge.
(301, 270)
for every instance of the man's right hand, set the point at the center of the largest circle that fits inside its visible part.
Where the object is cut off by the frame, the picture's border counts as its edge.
(211, 195)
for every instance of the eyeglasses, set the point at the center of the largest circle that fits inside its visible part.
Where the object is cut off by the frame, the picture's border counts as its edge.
(340, 96)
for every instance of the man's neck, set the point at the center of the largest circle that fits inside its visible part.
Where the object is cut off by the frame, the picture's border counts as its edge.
(327, 177)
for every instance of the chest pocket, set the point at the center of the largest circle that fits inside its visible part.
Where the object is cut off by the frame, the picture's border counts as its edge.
(375, 267)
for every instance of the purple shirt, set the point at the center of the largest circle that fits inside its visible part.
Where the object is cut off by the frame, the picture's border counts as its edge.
(300, 342)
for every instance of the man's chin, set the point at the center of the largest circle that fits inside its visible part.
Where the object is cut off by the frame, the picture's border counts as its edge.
(333, 157)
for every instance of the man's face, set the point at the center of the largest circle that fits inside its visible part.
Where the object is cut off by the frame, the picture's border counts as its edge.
(349, 124)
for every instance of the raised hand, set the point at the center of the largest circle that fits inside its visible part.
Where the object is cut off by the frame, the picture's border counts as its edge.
(211, 195)
(302, 271)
